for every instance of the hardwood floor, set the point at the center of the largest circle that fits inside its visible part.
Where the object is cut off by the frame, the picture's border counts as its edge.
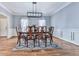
(67, 49)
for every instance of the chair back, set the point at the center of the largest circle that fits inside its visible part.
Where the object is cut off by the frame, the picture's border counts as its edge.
(17, 30)
(45, 28)
(51, 30)
(30, 32)
(41, 32)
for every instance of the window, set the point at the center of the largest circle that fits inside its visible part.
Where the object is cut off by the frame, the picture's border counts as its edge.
(24, 24)
(42, 22)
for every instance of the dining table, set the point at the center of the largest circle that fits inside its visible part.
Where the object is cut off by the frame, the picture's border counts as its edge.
(22, 34)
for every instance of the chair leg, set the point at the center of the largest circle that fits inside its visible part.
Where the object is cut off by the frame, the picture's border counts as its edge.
(19, 42)
(34, 42)
(27, 42)
(38, 42)
(45, 42)
(51, 40)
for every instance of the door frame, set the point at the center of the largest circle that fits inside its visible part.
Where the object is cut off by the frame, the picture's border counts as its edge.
(7, 23)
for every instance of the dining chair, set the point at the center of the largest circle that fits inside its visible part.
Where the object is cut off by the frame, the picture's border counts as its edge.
(41, 35)
(35, 33)
(21, 36)
(30, 35)
(45, 35)
(18, 35)
(51, 30)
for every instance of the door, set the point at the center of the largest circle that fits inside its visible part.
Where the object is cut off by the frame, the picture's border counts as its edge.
(3, 26)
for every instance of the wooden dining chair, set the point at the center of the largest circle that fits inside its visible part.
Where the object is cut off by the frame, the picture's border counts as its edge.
(41, 35)
(20, 35)
(51, 30)
(45, 34)
(30, 35)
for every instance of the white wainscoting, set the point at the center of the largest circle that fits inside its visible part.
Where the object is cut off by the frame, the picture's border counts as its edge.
(70, 35)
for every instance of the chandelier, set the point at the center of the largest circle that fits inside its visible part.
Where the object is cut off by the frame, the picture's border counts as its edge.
(34, 13)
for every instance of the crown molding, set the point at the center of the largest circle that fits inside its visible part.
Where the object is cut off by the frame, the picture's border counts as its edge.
(60, 8)
(57, 10)
(1, 5)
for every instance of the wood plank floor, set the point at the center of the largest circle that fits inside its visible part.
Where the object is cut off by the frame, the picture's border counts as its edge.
(67, 49)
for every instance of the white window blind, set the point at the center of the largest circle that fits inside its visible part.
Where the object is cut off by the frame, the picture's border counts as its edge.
(24, 24)
(42, 23)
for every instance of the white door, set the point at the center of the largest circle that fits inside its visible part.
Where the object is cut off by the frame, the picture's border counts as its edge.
(3, 26)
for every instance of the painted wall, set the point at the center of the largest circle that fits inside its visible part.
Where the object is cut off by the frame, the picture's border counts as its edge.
(9, 16)
(32, 21)
(68, 17)
(16, 20)
(66, 21)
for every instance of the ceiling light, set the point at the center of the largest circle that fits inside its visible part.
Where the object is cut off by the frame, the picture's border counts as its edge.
(34, 13)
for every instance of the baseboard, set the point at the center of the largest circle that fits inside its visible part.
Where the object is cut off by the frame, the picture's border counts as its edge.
(67, 40)
(3, 36)
(8, 38)
(13, 37)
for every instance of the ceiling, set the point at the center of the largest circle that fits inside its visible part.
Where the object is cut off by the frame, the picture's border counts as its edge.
(21, 8)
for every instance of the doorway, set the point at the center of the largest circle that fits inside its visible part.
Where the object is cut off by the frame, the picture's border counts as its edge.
(3, 26)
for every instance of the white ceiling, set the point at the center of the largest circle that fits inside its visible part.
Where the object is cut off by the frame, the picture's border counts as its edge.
(21, 8)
